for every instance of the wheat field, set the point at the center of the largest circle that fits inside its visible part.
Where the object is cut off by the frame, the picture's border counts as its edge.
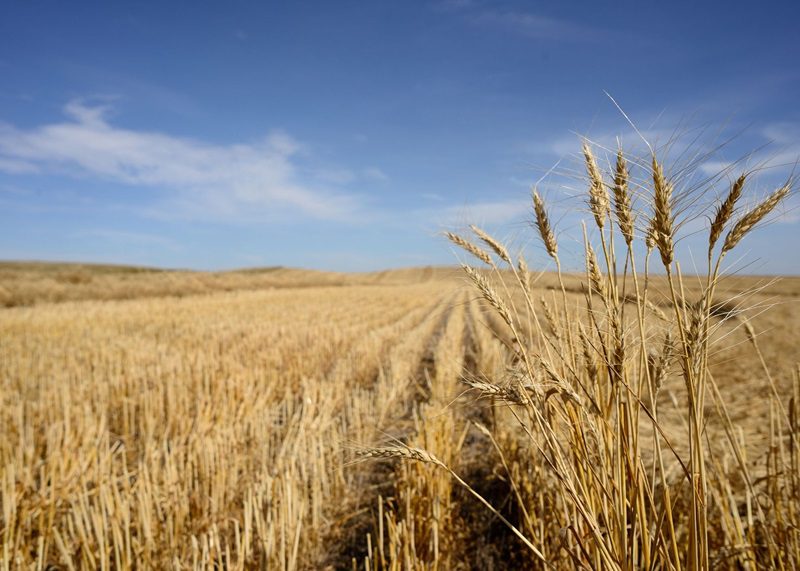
(432, 418)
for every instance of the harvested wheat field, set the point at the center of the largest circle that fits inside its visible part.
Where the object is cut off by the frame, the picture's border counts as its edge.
(444, 285)
(251, 421)
(490, 416)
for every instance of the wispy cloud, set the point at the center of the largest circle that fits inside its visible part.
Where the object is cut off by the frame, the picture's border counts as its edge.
(131, 238)
(452, 5)
(198, 179)
(532, 25)
(484, 213)
(345, 176)
(784, 144)
(14, 166)
(14, 190)
(374, 174)
(537, 26)
(774, 162)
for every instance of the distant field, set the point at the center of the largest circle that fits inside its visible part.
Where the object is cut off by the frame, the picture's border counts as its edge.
(181, 419)
(29, 283)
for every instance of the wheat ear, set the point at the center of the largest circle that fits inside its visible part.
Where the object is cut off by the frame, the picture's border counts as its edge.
(543, 225)
(598, 195)
(489, 294)
(725, 211)
(622, 199)
(470, 247)
(662, 223)
(756, 215)
(494, 244)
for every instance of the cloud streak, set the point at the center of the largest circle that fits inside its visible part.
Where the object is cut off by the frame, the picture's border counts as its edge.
(485, 213)
(201, 180)
(130, 238)
(537, 26)
(524, 23)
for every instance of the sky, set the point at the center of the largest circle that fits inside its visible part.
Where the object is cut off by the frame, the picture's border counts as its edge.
(348, 135)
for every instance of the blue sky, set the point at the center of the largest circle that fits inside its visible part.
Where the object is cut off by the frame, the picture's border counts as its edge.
(346, 135)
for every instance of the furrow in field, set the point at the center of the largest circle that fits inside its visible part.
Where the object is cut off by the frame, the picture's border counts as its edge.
(385, 409)
(417, 519)
(294, 501)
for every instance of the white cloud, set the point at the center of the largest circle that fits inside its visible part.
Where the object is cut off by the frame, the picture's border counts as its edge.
(711, 168)
(453, 5)
(254, 180)
(136, 238)
(343, 176)
(537, 26)
(13, 166)
(783, 132)
(375, 174)
(772, 164)
(528, 24)
(778, 152)
(336, 175)
(784, 145)
(484, 213)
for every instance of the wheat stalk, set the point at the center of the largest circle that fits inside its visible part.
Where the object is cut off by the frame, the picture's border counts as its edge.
(650, 235)
(470, 247)
(509, 394)
(753, 217)
(598, 195)
(588, 355)
(524, 272)
(662, 222)
(622, 199)
(406, 452)
(659, 364)
(593, 271)
(725, 211)
(494, 244)
(551, 319)
(543, 225)
(489, 294)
